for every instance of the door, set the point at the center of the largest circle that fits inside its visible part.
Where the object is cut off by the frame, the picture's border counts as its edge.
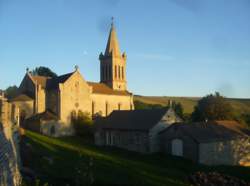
(177, 147)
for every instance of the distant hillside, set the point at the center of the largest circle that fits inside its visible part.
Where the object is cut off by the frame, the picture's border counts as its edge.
(241, 106)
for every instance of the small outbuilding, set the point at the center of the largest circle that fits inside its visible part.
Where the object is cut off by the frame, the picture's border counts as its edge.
(210, 143)
(135, 130)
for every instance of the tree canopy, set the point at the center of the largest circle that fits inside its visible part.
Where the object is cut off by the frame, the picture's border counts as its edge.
(11, 92)
(43, 71)
(213, 107)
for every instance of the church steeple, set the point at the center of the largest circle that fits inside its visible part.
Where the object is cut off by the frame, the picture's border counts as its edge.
(113, 44)
(113, 64)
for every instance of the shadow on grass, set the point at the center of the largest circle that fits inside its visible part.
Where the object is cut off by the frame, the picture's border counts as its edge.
(111, 165)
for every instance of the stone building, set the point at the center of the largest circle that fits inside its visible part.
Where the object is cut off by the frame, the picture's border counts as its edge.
(66, 95)
(135, 130)
(210, 143)
(9, 147)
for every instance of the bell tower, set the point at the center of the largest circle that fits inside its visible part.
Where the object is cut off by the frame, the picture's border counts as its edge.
(113, 63)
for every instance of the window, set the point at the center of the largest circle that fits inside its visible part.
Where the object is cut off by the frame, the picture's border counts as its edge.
(122, 73)
(106, 108)
(93, 108)
(119, 106)
(115, 71)
(119, 72)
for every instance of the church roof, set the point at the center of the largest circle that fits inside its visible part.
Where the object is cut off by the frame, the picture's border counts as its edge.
(141, 120)
(101, 88)
(21, 97)
(54, 82)
(112, 45)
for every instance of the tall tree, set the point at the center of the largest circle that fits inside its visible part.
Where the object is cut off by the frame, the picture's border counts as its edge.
(43, 71)
(213, 107)
(11, 92)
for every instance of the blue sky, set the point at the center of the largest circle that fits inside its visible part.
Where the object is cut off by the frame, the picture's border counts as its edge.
(174, 47)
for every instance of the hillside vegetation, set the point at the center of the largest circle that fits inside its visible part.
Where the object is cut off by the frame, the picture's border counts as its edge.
(241, 106)
(75, 161)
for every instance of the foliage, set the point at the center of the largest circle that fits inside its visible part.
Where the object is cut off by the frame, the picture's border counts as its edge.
(43, 71)
(245, 118)
(11, 92)
(178, 108)
(213, 107)
(140, 105)
(83, 124)
(111, 166)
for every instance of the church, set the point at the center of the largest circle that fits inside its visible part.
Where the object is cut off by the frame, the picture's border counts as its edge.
(51, 102)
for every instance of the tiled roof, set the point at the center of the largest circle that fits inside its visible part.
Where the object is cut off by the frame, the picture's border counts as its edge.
(209, 131)
(101, 88)
(131, 120)
(21, 97)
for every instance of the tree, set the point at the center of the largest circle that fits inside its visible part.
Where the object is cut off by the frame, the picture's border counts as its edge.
(212, 107)
(83, 124)
(43, 71)
(11, 92)
(178, 108)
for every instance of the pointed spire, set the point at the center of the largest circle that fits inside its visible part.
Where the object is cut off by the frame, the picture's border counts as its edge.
(112, 45)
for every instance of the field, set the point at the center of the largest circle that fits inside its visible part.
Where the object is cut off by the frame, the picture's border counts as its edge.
(68, 161)
(241, 106)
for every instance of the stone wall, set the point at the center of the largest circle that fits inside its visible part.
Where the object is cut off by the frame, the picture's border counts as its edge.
(9, 152)
(225, 152)
(130, 140)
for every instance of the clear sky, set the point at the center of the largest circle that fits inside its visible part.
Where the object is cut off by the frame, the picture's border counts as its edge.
(174, 47)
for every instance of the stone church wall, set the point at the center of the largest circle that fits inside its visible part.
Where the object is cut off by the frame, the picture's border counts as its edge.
(105, 104)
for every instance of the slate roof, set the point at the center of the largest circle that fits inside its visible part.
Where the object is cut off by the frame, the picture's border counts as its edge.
(21, 97)
(141, 120)
(101, 88)
(208, 132)
(47, 115)
(54, 82)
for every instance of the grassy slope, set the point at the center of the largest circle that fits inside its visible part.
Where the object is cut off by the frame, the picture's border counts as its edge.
(110, 165)
(240, 105)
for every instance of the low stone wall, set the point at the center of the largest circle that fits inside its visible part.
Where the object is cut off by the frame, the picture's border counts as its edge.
(9, 158)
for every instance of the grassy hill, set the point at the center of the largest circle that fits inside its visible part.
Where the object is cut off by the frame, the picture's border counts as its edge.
(241, 106)
(64, 161)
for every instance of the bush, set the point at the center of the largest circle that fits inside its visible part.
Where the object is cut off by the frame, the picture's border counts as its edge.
(213, 107)
(83, 124)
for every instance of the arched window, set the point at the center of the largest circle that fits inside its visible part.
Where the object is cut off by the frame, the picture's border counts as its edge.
(93, 108)
(119, 106)
(115, 71)
(106, 108)
(119, 72)
(122, 73)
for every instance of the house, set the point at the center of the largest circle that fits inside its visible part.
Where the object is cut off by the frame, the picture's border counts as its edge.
(210, 143)
(135, 130)
(70, 94)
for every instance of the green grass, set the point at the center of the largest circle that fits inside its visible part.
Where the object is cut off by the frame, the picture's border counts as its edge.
(241, 106)
(110, 166)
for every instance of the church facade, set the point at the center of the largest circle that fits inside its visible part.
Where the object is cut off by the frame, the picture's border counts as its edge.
(54, 100)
